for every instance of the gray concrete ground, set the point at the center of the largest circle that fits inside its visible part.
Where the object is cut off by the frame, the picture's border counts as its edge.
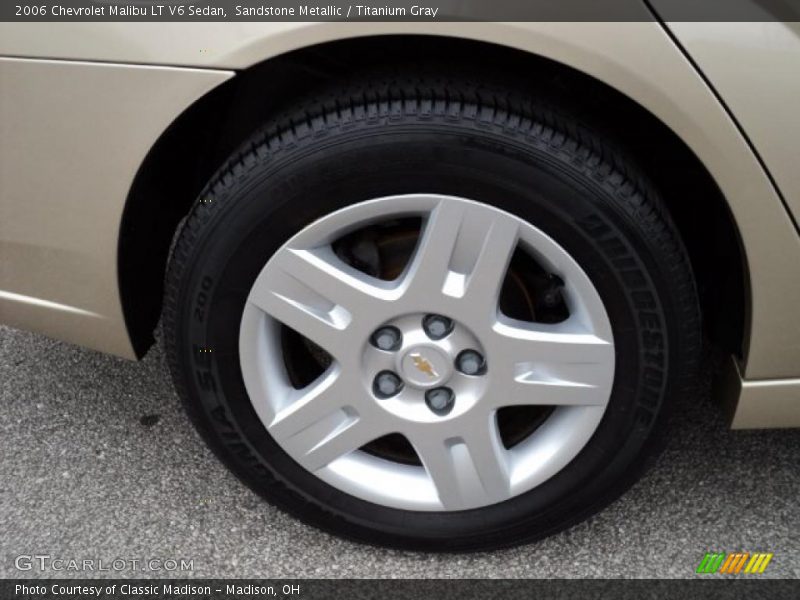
(97, 460)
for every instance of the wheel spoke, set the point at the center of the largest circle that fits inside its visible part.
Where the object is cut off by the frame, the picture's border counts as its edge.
(309, 292)
(531, 388)
(482, 285)
(430, 264)
(311, 405)
(322, 423)
(344, 438)
(469, 469)
(463, 253)
(551, 365)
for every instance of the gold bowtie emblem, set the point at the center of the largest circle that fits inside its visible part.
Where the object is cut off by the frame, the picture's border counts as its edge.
(423, 365)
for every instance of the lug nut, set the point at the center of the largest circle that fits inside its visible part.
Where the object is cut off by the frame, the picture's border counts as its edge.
(440, 400)
(471, 362)
(387, 338)
(386, 384)
(437, 326)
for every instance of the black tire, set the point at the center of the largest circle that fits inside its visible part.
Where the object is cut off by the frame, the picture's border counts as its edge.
(380, 137)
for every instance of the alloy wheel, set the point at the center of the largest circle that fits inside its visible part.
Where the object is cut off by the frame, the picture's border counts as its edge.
(428, 355)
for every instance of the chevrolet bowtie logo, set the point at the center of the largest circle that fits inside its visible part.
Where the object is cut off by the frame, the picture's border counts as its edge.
(423, 365)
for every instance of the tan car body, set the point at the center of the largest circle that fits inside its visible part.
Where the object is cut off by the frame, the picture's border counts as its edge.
(82, 104)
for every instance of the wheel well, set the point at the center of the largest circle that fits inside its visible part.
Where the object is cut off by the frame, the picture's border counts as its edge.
(198, 142)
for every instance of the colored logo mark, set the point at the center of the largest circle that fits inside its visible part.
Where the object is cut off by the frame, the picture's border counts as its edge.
(734, 563)
(424, 365)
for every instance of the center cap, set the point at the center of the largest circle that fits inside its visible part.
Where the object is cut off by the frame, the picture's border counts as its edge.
(425, 366)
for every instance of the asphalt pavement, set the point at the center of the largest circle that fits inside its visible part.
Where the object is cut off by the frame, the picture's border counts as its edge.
(99, 462)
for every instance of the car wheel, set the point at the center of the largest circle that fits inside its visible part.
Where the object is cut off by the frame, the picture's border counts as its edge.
(431, 314)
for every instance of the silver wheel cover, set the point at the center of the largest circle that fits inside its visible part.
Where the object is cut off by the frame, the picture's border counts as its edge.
(457, 270)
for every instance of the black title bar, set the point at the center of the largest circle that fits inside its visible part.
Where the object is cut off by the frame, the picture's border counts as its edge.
(394, 10)
(709, 587)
